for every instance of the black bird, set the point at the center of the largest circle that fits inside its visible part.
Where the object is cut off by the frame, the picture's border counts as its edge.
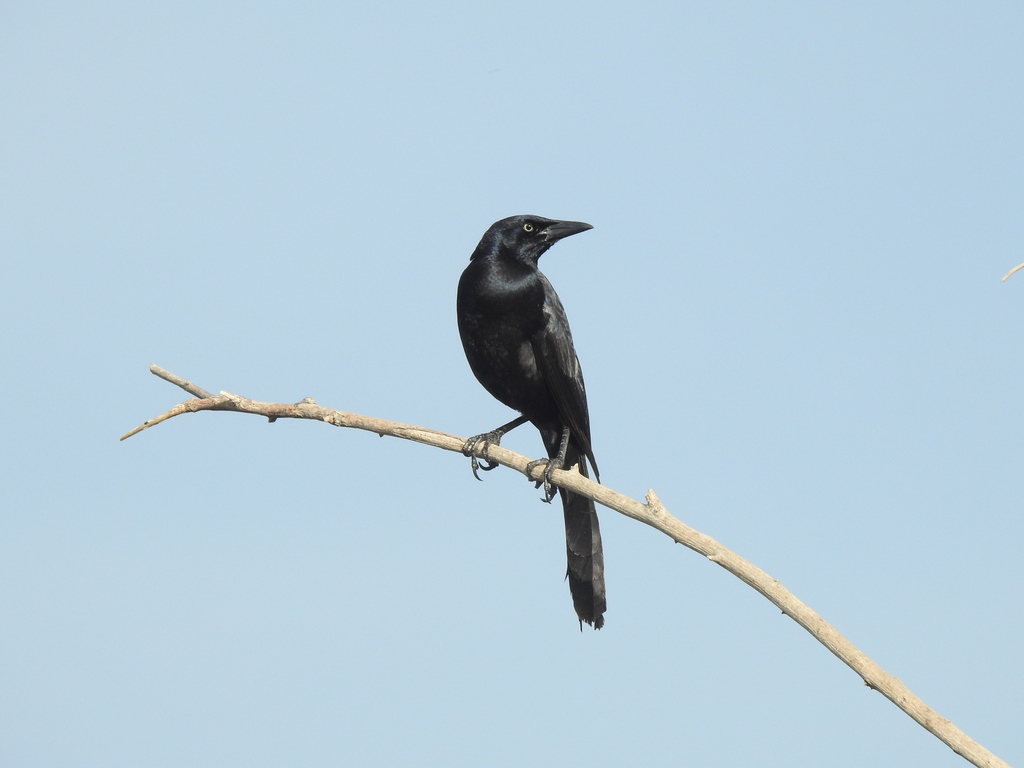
(517, 341)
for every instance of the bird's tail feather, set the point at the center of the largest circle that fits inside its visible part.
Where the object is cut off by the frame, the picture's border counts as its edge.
(584, 552)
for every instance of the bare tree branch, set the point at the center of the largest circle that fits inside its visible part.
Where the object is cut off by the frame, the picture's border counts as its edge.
(1019, 266)
(653, 513)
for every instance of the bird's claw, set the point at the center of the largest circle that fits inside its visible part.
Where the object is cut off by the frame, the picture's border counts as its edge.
(487, 466)
(545, 479)
(477, 446)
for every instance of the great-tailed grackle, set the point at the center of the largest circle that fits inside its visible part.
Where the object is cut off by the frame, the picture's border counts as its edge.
(518, 343)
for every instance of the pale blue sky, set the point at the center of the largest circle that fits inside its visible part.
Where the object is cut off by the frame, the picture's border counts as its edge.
(789, 314)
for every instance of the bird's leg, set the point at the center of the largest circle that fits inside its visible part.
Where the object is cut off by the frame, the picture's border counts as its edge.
(552, 464)
(480, 444)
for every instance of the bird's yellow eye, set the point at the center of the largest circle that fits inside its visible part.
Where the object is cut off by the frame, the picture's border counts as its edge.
(528, 227)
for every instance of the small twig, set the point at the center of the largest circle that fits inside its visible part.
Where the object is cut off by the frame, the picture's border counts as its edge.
(1019, 266)
(188, 386)
(653, 513)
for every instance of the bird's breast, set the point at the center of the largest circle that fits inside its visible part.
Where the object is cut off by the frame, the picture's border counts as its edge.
(500, 310)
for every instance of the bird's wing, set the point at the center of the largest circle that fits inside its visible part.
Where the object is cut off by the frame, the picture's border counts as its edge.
(556, 358)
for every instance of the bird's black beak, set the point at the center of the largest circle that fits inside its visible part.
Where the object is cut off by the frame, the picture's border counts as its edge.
(559, 229)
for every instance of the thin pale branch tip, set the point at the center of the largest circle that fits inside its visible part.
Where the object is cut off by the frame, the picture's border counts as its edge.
(1015, 269)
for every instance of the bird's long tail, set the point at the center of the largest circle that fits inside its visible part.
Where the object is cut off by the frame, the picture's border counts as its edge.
(582, 542)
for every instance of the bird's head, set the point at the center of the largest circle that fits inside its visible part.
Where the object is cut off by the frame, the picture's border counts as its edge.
(525, 237)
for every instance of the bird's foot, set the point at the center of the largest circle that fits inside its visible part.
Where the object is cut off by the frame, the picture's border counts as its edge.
(476, 449)
(550, 465)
